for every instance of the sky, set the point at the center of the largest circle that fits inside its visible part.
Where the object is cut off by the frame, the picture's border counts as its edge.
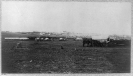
(77, 17)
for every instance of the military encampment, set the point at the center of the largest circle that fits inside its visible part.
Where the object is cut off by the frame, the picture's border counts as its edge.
(66, 37)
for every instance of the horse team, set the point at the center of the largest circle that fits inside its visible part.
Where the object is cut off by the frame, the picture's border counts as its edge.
(91, 42)
(105, 42)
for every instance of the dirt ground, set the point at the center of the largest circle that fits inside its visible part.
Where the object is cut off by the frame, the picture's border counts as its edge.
(62, 57)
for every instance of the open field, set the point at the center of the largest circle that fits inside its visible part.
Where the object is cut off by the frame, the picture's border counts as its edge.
(62, 57)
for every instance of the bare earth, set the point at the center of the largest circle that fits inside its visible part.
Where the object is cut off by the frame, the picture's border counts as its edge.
(50, 57)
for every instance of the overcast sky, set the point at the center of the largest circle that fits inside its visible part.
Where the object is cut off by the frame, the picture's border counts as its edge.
(78, 17)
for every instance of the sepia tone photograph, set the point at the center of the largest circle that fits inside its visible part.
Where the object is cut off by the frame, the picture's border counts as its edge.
(72, 37)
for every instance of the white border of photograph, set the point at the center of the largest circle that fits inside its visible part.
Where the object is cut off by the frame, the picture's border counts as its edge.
(78, 74)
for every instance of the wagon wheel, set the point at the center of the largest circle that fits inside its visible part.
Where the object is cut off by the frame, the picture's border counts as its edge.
(106, 44)
(92, 44)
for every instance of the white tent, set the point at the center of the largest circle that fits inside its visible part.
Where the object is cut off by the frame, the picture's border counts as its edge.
(16, 38)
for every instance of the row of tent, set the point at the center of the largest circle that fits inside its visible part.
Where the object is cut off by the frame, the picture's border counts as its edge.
(40, 38)
(16, 38)
(35, 38)
(58, 38)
